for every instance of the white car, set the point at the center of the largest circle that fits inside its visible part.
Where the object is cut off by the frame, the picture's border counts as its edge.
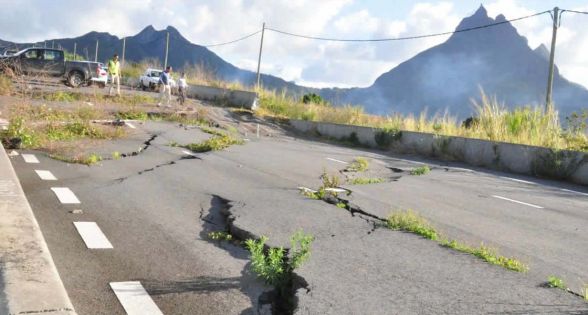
(150, 80)
(101, 78)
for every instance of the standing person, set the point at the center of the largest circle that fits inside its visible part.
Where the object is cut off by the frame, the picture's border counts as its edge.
(182, 85)
(114, 73)
(165, 89)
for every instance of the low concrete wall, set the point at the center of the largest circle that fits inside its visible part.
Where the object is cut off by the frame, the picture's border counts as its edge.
(521, 159)
(232, 98)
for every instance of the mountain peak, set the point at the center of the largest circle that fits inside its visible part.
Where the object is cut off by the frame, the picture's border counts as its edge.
(542, 51)
(480, 17)
(481, 11)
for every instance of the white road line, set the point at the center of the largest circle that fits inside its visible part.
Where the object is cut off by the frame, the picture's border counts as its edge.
(574, 191)
(30, 158)
(461, 169)
(130, 125)
(518, 180)
(335, 160)
(65, 195)
(134, 299)
(45, 175)
(519, 202)
(92, 235)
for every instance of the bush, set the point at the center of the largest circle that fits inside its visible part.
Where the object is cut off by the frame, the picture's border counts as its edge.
(274, 266)
(411, 222)
(314, 99)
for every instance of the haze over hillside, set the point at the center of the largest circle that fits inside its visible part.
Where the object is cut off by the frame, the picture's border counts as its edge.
(445, 77)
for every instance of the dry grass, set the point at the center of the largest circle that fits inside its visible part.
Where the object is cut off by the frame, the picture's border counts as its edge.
(5, 85)
(524, 125)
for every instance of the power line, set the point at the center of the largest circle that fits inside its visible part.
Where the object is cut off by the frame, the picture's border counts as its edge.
(407, 37)
(574, 11)
(233, 41)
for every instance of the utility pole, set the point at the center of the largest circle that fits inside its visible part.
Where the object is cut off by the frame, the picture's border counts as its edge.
(52, 44)
(123, 52)
(259, 59)
(166, 50)
(548, 99)
(96, 54)
(75, 49)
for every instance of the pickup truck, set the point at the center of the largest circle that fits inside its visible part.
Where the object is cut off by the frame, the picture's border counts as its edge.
(50, 62)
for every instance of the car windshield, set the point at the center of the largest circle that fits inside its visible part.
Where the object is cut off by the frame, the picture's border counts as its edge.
(155, 73)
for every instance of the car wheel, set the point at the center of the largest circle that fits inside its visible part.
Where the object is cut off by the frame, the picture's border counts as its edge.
(75, 79)
(101, 85)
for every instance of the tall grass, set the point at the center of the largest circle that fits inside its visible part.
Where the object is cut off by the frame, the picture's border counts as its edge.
(523, 125)
(5, 85)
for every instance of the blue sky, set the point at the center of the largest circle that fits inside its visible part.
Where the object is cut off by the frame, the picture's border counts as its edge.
(303, 61)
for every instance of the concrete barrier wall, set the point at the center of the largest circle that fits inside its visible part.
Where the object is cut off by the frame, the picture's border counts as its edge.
(232, 98)
(521, 159)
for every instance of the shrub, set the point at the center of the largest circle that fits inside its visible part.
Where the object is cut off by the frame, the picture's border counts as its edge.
(421, 170)
(366, 181)
(274, 266)
(555, 282)
(314, 99)
(359, 164)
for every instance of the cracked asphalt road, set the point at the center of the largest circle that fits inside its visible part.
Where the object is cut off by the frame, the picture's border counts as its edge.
(157, 219)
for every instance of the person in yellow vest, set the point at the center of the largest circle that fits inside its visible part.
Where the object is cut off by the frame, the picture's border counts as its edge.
(114, 73)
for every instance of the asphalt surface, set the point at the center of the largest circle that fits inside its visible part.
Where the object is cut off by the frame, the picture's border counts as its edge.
(156, 209)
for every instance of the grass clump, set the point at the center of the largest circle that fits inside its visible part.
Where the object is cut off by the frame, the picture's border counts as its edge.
(411, 222)
(421, 170)
(555, 282)
(487, 254)
(365, 181)
(216, 143)
(220, 236)
(274, 266)
(132, 114)
(90, 159)
(116, 155)
(359, 164)
(329, 181)
(5, 85)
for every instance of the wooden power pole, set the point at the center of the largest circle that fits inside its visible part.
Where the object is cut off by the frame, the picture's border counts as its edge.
(96, 55)
(166, 50)
(548, 98)
(123, 51)
(259, 58)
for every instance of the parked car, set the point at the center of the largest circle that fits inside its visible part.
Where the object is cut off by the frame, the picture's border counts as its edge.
(9, 52)
(50, 62)
(150, 80)
(101, 78)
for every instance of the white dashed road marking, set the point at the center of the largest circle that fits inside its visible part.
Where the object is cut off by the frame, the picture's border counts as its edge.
(130, 125)
(45, 175)
(30, 158)
(65, 195)
(518, 180)
(519, 202)
(134, 299)
(92, 235)
(573, 191)
(335, 160)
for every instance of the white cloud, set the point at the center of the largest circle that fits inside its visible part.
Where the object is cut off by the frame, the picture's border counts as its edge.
(303, 60)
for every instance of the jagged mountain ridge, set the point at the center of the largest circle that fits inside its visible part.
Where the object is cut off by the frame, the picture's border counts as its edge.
(442, 78)
(448, 76)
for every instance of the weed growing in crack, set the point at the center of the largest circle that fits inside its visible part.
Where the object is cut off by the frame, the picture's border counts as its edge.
(359, 164)
(329, 181)
(341, 205)
(173, 144)
(274, 266)
(220, 236)
(78, 159)
(411, 222)
(422, 170)
(215, 143)
(365, 181)
(585, 292)
(555, 282)
(116, 155)
(487, 254)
